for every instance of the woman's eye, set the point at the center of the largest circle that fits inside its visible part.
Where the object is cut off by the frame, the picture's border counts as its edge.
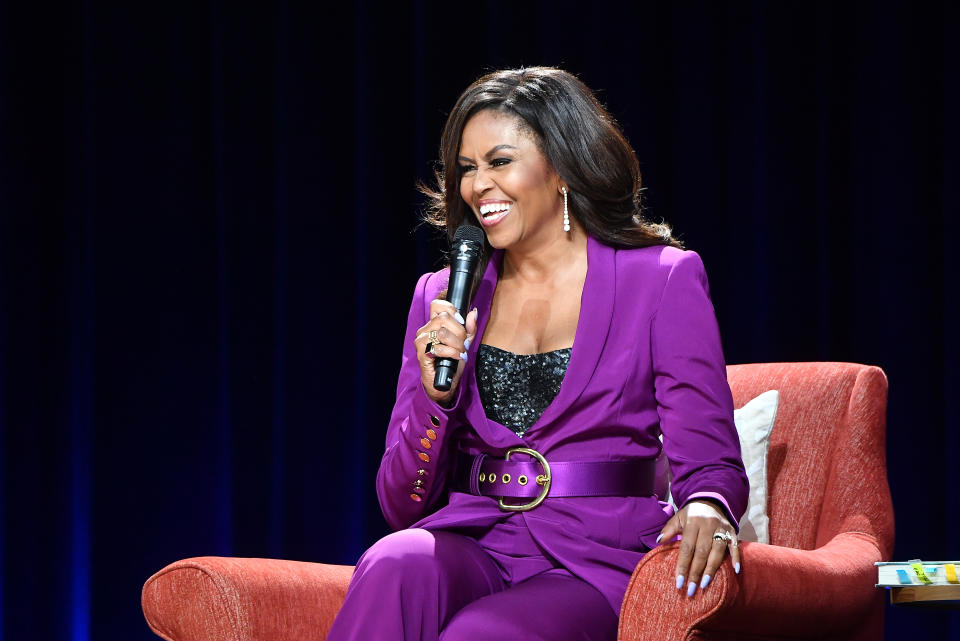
(496, 162)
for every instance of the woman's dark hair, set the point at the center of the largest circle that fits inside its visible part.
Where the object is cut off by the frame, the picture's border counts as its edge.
(580, 140)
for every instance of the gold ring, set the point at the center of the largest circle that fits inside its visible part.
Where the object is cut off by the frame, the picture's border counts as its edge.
(433, 336)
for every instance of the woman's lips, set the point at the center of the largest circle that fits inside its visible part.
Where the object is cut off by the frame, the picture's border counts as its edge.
(494, 218)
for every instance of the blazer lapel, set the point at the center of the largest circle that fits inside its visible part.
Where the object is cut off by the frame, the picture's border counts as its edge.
(596, 314)
(490, 431)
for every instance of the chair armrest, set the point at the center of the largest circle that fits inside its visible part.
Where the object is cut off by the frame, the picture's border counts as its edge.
(232, 599)
(781, 591)
(653, 608)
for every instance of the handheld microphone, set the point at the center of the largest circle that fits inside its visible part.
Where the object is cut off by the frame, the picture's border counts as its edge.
(464, 256)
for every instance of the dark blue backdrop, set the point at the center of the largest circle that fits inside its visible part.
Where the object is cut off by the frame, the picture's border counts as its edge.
(208, 242)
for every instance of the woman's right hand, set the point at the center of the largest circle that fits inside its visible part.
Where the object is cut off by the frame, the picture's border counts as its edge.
(453, 338)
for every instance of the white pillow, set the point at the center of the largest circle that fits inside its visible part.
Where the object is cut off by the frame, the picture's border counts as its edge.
(754, 424)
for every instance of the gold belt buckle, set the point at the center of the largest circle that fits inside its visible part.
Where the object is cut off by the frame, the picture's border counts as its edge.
(542, 480)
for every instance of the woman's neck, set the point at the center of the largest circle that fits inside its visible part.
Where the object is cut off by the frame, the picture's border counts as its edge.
(548, 261)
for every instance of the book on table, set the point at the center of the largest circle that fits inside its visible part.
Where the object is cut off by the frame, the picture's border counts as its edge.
(898, 574)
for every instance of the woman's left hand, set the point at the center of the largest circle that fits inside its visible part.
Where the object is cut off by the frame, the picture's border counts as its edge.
(701, 553)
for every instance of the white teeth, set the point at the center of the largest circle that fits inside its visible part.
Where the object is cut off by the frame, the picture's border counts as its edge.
(492, 207)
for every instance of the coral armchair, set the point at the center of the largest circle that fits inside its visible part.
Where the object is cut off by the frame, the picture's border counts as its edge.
(830, 512)
(831, 518)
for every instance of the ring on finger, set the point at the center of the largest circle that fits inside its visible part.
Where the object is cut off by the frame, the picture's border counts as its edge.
(433, 336)
(722, 535)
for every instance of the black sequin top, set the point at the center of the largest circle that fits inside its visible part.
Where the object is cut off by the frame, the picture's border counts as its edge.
(516, 388)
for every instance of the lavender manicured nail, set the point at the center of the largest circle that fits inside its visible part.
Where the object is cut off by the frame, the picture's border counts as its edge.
(736, 568)
(459, 318)
(679, 581)
(691, 588)
(466, 343)
(705, 581)
(659, 537)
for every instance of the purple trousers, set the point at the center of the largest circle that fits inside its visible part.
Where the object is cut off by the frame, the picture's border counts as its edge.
(421, 585)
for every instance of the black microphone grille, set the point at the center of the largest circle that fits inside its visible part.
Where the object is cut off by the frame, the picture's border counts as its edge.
(468, 232)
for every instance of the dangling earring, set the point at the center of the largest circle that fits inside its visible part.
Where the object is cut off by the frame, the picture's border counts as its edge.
(566, 213)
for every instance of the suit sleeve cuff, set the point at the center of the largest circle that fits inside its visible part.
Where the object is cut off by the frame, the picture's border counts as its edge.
(423, 404)
(720, 499)
(427, 431)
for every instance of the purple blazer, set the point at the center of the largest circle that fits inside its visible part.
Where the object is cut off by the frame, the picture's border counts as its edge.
(646, 315)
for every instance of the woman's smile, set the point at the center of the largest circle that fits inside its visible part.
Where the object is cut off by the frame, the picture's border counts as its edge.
(492, 212)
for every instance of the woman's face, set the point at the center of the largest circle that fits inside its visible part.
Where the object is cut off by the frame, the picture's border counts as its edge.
(508, 183)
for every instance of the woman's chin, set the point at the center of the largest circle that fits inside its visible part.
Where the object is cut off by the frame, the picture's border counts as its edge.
(499, 240)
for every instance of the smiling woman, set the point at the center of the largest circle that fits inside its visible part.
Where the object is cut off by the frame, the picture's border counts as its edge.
(554, 112)
(526, 494)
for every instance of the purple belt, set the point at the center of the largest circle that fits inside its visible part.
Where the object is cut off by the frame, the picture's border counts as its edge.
(525, 473)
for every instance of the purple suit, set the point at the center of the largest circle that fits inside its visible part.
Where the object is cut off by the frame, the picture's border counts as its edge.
(646, 316)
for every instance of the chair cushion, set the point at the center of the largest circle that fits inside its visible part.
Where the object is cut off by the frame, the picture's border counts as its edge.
(754, 423)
